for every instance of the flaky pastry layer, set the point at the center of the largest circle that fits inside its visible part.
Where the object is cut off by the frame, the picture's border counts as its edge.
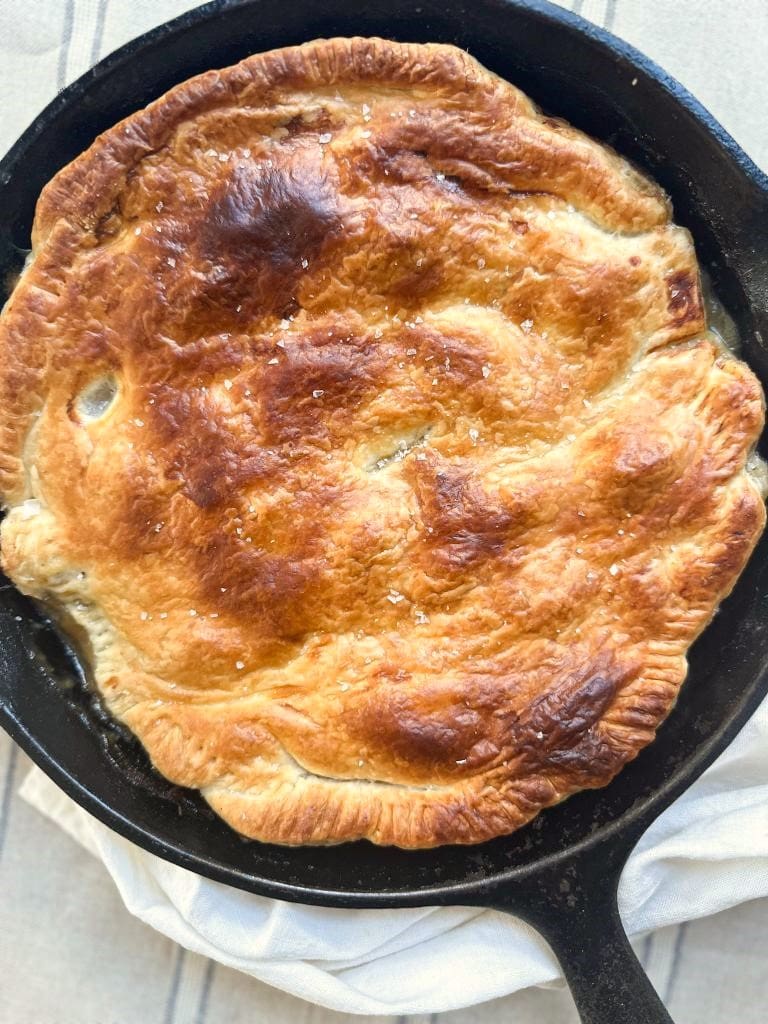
(365, 422)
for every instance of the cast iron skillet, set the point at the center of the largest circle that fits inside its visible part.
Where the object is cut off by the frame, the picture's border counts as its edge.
(561, 872)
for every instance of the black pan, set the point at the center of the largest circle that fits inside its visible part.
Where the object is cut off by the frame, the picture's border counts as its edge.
(561, 872)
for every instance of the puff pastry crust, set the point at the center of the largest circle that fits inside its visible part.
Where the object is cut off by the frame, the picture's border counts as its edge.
(365, 423)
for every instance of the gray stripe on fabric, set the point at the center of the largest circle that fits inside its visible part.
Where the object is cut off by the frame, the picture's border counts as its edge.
(173, 992)
(5, 803)
(610, 14)
(205, 992)
(676, 960)
(66, 39)
(98, 32)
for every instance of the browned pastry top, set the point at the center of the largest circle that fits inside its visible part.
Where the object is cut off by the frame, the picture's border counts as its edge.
(364, 423)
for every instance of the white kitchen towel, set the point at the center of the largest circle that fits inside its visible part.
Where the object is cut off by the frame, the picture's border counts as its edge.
(708, 851)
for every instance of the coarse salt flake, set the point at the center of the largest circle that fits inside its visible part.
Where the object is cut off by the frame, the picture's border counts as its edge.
(318, 393)
(325, 138)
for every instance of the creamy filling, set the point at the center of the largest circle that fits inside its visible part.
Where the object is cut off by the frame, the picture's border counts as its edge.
(725, 333)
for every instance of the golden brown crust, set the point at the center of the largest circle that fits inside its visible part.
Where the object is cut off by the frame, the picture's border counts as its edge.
(422, 473)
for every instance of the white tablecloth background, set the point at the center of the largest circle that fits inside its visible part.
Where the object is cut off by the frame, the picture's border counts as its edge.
(69, 952)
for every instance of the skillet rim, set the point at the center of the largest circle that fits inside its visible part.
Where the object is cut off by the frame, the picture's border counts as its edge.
(621, 832)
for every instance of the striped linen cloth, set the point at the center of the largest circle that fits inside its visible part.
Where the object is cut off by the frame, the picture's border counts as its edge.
(70, 952)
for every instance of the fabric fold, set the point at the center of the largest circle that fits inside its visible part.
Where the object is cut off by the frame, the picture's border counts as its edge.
(707, 852)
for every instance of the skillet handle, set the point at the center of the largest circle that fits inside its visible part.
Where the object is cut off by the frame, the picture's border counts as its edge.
(575, 909)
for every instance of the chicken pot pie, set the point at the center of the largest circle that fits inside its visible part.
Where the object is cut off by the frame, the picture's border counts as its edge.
(365, 425)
